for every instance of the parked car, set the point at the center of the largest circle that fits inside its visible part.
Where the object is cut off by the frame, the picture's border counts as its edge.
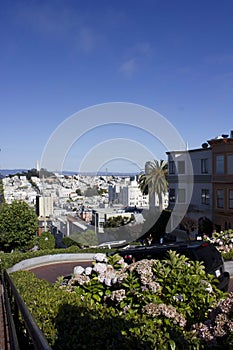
(112, 244)
(196, 251)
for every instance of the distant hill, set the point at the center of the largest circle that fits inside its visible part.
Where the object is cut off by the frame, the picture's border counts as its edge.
(6, 172)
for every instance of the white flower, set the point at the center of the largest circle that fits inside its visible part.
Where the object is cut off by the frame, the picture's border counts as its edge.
(78, 270)
(100, 257)
(114, 280)
(101, 278)
(121, 261)
(100, 268)
(88, 270)
(118, 295)
(209, 288)
(108, 281)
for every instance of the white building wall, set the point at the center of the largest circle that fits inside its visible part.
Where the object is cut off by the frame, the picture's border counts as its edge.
(45, 206)
(201, 160)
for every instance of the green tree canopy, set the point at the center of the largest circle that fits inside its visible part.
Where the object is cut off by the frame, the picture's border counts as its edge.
(18, 226)
(46, 241)
(154, 180)
(117, 221)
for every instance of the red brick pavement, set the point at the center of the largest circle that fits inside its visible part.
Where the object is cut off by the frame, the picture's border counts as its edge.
(52, 271)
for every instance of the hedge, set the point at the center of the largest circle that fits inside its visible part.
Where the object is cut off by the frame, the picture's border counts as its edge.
(165, 305)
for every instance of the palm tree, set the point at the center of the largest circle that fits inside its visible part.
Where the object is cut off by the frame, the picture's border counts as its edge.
(154, 180)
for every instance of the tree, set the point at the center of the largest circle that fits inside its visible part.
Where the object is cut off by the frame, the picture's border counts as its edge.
(18, 226)
(91, 191)
(118, 221)
(154, 180)
(79, 192)
(46, 241)
(188, 224)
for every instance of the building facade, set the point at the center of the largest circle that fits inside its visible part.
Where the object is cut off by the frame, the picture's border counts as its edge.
(44, 206)
(101, 215)
(222, 182)
(128, 194)
(204, 188)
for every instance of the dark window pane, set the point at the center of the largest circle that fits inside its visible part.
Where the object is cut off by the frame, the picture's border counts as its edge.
(230, 164)
(220, 164)
(181, 167)
(230, 199)
(220, 198)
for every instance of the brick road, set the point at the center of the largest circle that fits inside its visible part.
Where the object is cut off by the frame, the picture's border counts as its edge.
(51, 272)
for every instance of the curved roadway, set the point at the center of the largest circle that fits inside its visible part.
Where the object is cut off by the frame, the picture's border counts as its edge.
(52, 271)
(50, 267)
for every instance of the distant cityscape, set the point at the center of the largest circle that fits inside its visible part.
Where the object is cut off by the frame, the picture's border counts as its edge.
(6, 172)
(72, 204)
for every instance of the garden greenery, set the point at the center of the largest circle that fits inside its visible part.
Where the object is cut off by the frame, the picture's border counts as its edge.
(149, 304)
(223, 241)
(18, 226)
(46, 241)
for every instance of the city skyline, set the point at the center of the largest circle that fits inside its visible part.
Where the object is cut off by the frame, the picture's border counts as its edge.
(59, 58)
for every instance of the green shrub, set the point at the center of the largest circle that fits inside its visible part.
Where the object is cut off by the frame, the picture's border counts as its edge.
(18, 226)
(223, 241)
(69, 242)
(46, 241)
(175, 281)
(171, 295)
(149, 304)
(185, 285)
(70, 322)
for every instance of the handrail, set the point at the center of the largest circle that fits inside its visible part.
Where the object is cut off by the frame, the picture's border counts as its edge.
(14, 345)
(36, 335)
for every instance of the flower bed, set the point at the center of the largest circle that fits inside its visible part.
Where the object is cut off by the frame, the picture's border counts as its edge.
(149, 304)
(223, 242)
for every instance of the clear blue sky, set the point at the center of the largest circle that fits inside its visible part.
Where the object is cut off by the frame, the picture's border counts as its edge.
(58, 57)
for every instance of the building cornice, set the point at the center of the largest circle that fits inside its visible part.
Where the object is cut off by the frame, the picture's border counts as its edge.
(221, 141)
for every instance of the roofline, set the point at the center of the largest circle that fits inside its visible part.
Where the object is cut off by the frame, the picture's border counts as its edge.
(190, 150)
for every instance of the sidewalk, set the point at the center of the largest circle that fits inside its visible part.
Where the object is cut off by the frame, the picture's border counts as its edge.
(229, 267)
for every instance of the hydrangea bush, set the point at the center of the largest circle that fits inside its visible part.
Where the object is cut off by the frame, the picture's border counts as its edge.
(149, 304)
(222, 240)
(216, 332)
(174, 292)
